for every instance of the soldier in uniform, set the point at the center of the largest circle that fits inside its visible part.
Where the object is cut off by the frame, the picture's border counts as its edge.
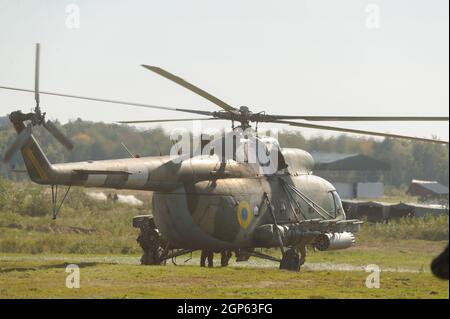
(207, 254)
(225, 256)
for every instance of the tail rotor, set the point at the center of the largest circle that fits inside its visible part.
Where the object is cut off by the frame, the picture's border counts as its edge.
(18, 143)
(35, 118)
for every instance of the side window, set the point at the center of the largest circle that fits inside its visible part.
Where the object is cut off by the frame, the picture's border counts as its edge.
(338, 209)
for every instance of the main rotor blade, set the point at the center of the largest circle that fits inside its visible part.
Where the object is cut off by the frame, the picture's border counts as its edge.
(207, 113)
(36, 73)
(54, 130)
(167, 120)
(191, 87)
(347, 130)
(18, 143)
(358, 118)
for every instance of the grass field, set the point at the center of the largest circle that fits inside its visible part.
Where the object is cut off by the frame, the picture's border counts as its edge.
(340, 274)
(99, 278)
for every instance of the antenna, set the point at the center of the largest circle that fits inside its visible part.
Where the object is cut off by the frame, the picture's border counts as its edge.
(127, 150)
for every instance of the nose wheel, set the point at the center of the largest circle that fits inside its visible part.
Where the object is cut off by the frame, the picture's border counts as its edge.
(290, 260)
(293, 259)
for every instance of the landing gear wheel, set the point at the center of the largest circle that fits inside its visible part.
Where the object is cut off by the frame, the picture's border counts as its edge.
(290, 260)
(150, 241)
(152, 258)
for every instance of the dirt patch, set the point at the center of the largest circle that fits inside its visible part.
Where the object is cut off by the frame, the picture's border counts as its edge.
(44, 267)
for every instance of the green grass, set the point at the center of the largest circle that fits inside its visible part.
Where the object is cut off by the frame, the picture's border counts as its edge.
(34, 279)
(76, 232)
(404, 254)
(427, 228)
(83, 225)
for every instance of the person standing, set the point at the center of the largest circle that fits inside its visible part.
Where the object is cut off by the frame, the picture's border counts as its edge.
(225, 256)
(207, 255)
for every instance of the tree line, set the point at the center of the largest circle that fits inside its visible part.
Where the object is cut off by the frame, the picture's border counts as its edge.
(95, 141)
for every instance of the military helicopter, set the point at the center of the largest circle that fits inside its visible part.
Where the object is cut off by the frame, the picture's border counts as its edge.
(214, 201)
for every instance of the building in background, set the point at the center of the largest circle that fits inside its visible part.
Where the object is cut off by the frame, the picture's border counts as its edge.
(353, 175)
(429, 191)
(381, 212)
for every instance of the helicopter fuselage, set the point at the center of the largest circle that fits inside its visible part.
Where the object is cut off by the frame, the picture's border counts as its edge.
(225, 213)
(201, 201)
(204, 201)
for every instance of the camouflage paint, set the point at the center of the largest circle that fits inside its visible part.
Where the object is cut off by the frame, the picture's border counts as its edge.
(198, 202)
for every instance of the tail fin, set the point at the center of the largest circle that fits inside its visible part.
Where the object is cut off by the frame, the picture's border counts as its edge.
(38, 166)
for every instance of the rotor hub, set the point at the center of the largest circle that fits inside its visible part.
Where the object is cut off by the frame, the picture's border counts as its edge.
(244, 117)
(244, 109)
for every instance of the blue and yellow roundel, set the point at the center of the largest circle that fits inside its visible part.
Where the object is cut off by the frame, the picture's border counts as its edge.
(244, 214)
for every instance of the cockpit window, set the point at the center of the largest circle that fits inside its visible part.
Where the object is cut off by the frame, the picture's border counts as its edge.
(338, 208)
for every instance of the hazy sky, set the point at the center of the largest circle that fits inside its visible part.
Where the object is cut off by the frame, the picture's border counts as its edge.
(287, 57)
